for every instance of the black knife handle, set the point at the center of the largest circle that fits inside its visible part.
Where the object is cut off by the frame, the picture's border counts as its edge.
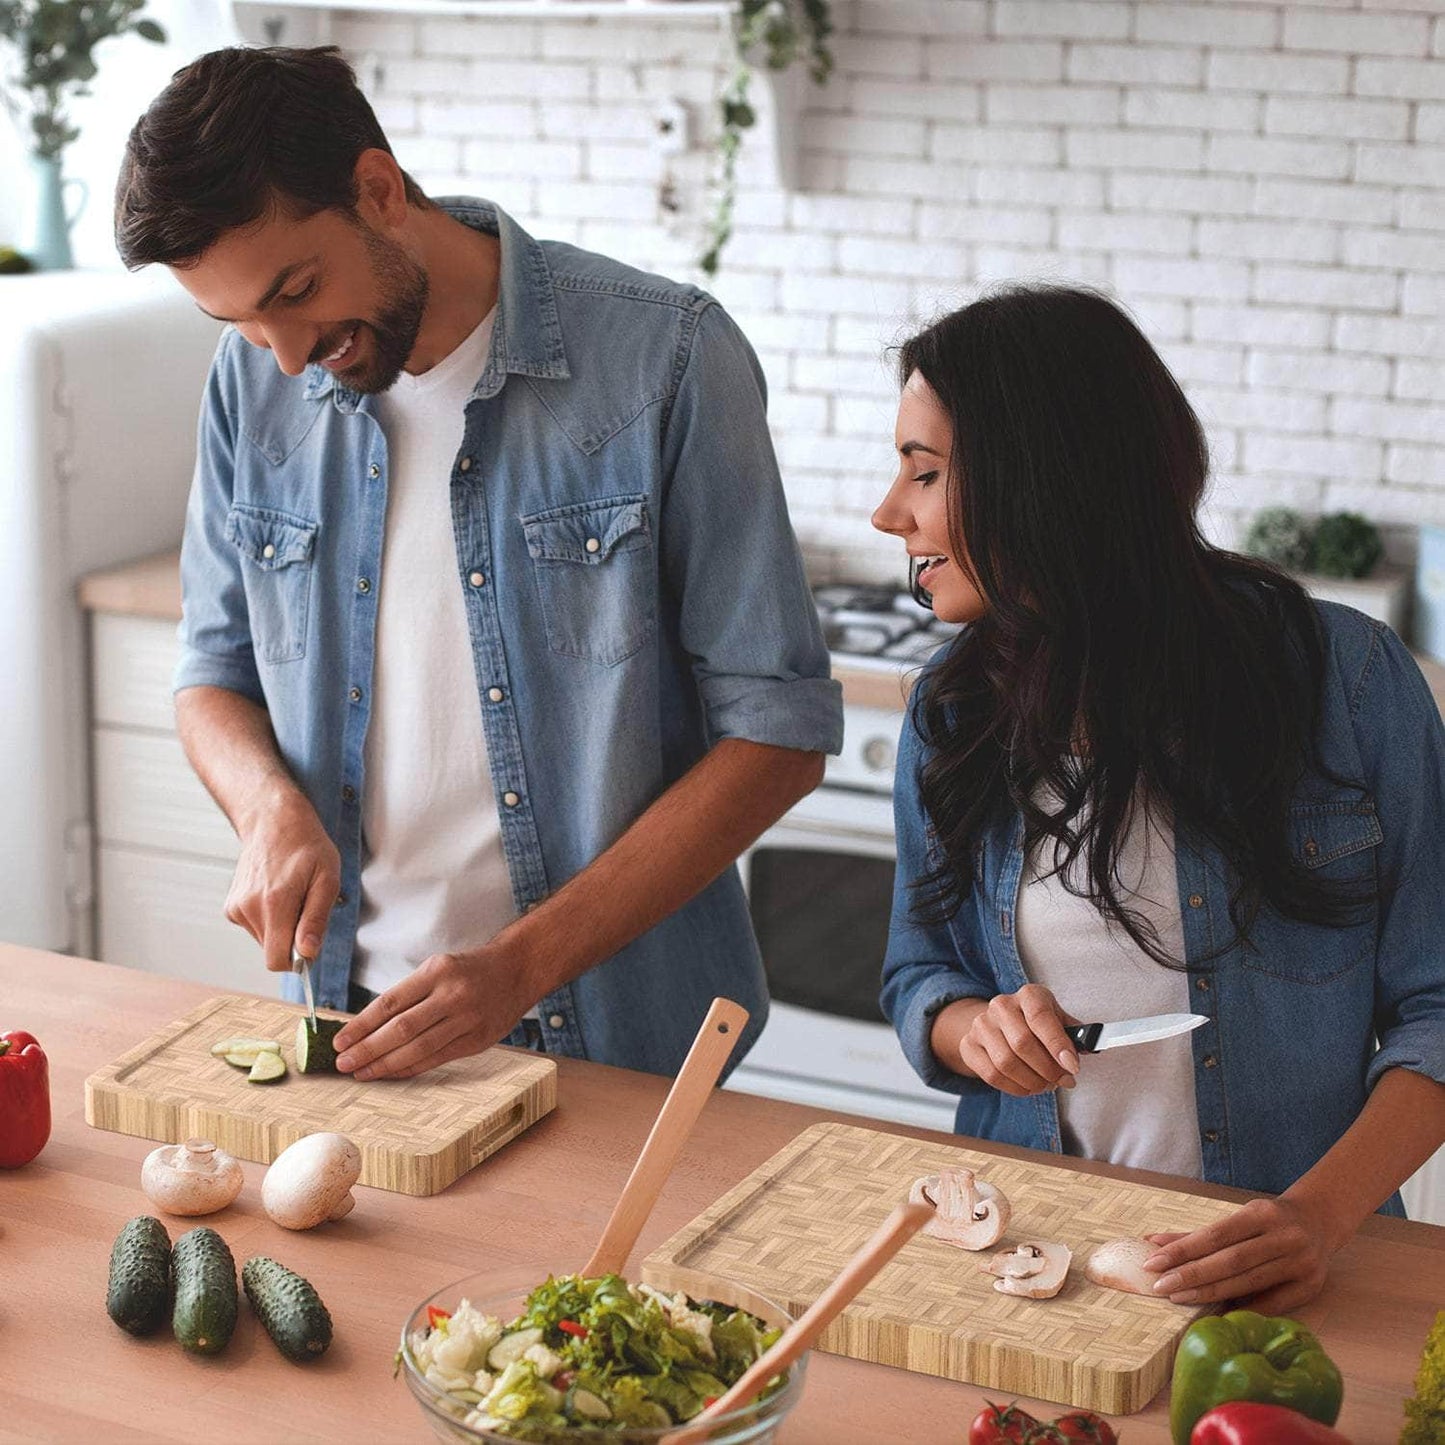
(1084, 1036)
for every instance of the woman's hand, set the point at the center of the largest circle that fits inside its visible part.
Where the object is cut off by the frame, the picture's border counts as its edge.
(1016, 1043)
(1271, 1253)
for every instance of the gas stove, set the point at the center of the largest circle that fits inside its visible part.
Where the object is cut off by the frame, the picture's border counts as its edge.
(881, 627)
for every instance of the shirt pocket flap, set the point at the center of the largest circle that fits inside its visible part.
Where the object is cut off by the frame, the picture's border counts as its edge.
(589, 533)
(270, 539)
(1321, 833)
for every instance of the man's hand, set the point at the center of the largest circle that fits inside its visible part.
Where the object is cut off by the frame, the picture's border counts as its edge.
(286, 882)
(452, 1005)
(1273, 1253)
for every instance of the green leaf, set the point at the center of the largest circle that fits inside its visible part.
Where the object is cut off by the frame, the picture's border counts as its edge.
(149, 30)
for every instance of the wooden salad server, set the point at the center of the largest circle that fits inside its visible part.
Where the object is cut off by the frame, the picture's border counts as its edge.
(691, 1089)
(895, 1231)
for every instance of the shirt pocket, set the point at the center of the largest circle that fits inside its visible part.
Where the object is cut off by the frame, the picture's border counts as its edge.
(594, 566)
(277, 551)
(1336, 842)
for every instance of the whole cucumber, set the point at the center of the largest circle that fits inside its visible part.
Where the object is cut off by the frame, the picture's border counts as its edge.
(139, 1290)
(206, 1301)
(289, 1307)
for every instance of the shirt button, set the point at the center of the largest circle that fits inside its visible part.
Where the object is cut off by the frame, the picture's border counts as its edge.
(556, 1021)
(1211, 1136)
(1210, 1061)
(340, 899)
(495, 694)
(355, 694)
(268, 550)
(1202, 984)
(511, 799)
(348, 794)
(1196, 900)
(1311, 848)
(363, 584)
(476, 579)
(373, 471)
(465, 464)
(593, 545)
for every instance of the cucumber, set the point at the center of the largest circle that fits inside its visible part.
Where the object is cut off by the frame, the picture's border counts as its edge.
(315, 1053)
(267, 1069)
(206, 1301)
(139, 1291)
(288, 1307)
(244, 1048)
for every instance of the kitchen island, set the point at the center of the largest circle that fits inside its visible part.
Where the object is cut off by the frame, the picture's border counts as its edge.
(71, 1375)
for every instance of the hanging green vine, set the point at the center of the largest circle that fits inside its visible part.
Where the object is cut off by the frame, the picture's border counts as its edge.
(779, 33)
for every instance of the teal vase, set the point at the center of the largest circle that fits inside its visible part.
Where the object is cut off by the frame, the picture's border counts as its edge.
(49, 246)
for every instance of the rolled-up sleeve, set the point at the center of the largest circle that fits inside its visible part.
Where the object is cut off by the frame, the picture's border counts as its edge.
(1402, 743)
(923, 970)
(730, 559)
(215, 632)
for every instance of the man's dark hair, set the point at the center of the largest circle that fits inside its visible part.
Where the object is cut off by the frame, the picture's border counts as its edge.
(236, 135)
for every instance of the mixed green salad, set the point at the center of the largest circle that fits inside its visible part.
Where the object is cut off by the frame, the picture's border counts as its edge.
(588, 1354)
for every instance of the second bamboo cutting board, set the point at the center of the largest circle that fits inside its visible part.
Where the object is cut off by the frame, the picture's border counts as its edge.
(415, 1135)
(787, 1229)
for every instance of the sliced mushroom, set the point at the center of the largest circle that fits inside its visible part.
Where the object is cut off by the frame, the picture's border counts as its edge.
(1119, 1264)
(968, 1212)
(1034, 1270)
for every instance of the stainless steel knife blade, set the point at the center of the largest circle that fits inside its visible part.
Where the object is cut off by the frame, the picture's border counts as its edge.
(302, 965)
(1093, 1038)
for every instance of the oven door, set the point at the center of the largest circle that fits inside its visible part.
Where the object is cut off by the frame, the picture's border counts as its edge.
(820, 888)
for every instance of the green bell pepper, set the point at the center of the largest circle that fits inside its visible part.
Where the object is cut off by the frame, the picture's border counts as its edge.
(1246, 1356)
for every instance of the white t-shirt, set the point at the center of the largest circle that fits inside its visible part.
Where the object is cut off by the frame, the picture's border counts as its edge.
(434, 878)
(1136, 1105)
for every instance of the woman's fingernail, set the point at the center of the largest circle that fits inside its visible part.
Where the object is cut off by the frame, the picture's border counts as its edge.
(311, 945)
(1154, 1262)
(1070, 1060)
(1168, 1283)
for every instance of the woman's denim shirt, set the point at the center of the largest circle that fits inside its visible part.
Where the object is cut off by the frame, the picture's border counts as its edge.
(1302, 1022)
(633, 593)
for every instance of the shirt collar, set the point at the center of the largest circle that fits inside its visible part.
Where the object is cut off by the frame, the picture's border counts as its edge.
(526, 336)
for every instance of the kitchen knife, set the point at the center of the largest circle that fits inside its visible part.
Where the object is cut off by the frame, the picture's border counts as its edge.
(302, 965)
(1093, 1038)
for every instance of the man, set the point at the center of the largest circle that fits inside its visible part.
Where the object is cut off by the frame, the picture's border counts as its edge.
(497, 649)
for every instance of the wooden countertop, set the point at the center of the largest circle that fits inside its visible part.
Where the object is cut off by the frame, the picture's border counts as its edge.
(152, 588)
(71, 1375)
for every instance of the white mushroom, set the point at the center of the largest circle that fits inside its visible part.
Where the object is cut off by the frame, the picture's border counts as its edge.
(310, 1181)
(1119, 1264)
(1034, 1270)
(968, 1212)
(190, 1178)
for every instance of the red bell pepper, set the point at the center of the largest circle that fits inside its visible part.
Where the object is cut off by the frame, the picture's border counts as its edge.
(1252, 1422)
(24, 1100)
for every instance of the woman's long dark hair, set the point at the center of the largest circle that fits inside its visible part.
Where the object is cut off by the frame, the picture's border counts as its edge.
(1122, 658)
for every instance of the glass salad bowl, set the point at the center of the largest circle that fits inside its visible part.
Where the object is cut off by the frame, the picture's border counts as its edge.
(502, 1295)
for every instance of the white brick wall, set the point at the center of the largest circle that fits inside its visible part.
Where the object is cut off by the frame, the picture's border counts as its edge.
(1262, 183)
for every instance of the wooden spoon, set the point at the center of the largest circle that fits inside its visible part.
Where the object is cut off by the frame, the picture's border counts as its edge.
(690, 1091)
(895, 1231)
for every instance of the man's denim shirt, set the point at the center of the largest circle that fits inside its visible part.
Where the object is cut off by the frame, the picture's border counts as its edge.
(1303, 1023)
(633, 590)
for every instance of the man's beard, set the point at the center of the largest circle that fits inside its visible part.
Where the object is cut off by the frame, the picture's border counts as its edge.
(404, 288)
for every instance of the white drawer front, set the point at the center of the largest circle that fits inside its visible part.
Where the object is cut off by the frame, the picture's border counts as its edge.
(132, 659)
(164, 915)
(146, 794)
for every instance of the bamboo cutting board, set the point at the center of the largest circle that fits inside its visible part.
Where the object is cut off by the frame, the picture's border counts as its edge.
(791, 1225)
(415, 1135)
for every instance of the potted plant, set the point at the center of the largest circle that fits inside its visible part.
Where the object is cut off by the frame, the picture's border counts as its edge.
(773, 35)
(47, 58)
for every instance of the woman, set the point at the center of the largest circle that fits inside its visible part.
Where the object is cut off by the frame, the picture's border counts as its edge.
(1150, 776)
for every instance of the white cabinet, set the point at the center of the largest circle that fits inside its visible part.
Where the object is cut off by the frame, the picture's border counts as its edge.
(164, 851)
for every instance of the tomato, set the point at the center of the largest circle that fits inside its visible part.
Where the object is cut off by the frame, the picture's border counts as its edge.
(1076, 1425)
(1000, 1425)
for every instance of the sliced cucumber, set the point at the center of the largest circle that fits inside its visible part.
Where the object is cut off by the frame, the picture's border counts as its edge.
(140, 1276)
(206, 1299)
(252, 1047)
(315, 1052)
(289, 1307)
(582, 1404)
(267, 1069)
